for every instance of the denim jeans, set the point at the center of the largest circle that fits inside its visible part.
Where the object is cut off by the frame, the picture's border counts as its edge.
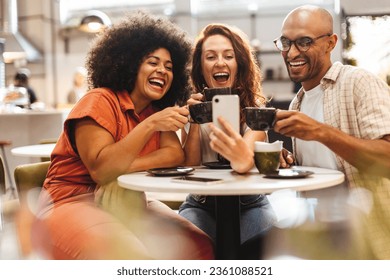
(257, 215)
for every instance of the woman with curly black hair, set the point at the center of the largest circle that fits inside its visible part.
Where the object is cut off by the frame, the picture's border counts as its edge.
(137, 72)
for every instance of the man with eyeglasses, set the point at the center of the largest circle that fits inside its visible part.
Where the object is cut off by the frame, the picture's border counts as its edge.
(340, 118)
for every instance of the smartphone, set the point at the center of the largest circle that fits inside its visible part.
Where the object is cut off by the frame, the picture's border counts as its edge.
(228, 107)
(197, 180)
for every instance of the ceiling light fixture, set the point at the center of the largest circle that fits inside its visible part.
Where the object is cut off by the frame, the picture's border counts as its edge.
(94, 21)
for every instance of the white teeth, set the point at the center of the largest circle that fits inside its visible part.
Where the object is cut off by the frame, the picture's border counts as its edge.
(299, 63)
(221, 74)
(157, 81)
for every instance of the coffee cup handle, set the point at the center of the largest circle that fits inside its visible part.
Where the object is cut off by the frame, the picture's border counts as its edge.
(190, 120)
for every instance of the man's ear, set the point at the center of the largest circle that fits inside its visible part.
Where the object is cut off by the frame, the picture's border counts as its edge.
(332, 42)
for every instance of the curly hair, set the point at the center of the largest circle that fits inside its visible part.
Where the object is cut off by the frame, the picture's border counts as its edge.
(248, 79)
(116, 55)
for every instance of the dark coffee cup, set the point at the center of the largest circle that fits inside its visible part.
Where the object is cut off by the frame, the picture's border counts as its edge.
(260, 118)
(201, 112)
(209, 93)
(222, 160)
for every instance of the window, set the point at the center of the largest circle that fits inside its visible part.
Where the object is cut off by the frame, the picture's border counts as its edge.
(368, 43)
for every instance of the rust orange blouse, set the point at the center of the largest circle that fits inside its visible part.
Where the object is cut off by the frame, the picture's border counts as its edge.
(67, 175)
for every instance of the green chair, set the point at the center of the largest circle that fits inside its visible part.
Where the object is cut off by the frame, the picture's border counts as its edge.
(27, 178)
(31, 175)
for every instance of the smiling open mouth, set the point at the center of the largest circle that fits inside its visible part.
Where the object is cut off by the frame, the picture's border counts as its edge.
(221, 77)
(297, 63)
(157, 82)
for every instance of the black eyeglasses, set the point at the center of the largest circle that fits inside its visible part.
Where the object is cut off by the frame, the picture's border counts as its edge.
(303, 44)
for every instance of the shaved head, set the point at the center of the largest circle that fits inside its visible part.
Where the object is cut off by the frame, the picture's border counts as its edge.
(309, 17)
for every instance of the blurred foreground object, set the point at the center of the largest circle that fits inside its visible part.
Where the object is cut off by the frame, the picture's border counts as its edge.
(326, 228)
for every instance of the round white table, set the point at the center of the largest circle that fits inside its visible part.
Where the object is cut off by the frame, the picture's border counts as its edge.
(41, 150)
(227, 195)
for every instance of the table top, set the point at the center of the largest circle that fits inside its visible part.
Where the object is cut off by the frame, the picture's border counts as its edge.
(40, 150)
(167, 196)
(233, 183)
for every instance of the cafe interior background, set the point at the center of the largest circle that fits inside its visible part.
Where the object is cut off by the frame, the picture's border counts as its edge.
(47, 37)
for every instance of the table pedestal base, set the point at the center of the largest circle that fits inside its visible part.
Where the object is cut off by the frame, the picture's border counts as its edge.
(227, 211)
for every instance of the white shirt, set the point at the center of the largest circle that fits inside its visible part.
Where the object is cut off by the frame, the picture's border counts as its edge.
(313, 153)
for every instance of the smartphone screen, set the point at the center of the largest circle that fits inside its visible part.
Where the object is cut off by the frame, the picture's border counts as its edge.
(196, 180)
(228, 107)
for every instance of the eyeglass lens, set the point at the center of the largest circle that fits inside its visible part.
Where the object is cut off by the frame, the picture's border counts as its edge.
(303, 44)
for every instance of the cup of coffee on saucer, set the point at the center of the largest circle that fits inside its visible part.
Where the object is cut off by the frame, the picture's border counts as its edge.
(260, 118)
(267, 156)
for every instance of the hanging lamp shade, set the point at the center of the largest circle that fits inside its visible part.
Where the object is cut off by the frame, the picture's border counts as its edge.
(94, 21)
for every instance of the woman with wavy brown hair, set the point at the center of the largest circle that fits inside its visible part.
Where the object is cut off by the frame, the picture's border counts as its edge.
(249, 90)
(223, 57)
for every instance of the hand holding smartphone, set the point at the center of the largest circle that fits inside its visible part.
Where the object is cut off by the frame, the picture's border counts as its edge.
(228, 107)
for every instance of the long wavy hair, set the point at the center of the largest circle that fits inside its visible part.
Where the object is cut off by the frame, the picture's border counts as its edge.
(116, 55)
(248, 79)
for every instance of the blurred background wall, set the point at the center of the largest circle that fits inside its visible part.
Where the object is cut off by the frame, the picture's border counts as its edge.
(52, 27)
